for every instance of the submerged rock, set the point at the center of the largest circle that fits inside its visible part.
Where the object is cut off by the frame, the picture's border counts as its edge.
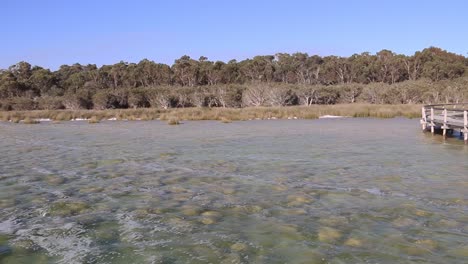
(38, 200)
(228, 191)
(427, 243)
(293, 253)
(141, 213)
(5, 203)
(208, 254)
(404, 222)
(238, 246)
(447, 223)
(165, 155)
(422, 213)
(190, 210)
(232, 258)
(415, 250)
(459, 252)
(181, 197)
(253, 209)
(298, 211)
(65, 208)
(54, 179)
(296, 200)
(109, 162)
(180, 224)
(334, 221)
(280, 188)
(328, 234)
(208, 221)
(91, 189)
(25, 245)
(212, 214)
(210, 217)
(106, 232)
(353, 242)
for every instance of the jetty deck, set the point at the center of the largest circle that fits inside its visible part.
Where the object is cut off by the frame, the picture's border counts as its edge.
(446, 117)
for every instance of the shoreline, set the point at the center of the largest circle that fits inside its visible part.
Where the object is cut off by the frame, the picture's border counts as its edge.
(40, 120)
(225, 115)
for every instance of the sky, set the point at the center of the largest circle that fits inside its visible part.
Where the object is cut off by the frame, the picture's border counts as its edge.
(50, 33)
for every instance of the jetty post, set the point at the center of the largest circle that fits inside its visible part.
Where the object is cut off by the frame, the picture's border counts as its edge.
(432, 120)
(447, 117)
(445, 126)
(465, 126)
(424, 119)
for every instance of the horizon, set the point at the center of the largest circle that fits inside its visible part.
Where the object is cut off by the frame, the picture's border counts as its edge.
(54, 33)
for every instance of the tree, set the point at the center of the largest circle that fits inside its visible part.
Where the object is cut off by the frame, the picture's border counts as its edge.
(306, 94)
(9, 86)
(260, 68)
(256, 95)
(280, 96)
(186, 71)
(137, 98)
(229, 96)
(430, 75)
(22, 71)
(350, 92)
(160, 97)
(42, 80)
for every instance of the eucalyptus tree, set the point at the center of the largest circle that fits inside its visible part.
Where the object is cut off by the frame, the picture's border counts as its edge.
(260, 68)
(186, 71)
(42, 80)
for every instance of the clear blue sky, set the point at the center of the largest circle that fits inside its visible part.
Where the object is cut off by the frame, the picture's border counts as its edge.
(51, 33)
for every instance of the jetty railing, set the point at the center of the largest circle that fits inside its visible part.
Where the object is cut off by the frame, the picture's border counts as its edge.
(447, 117)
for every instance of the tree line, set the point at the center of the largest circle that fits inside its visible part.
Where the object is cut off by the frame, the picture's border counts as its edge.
(429, 76)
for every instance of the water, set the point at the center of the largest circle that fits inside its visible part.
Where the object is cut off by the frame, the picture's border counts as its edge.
(282, 191)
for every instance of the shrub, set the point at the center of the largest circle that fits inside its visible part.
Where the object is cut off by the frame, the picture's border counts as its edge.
(104, 99)
(82, 99)
(137, 98)
(22, 103)
(50, 103)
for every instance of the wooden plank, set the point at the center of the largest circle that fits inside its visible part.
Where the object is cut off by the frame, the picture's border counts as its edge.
(445, 118)
(439, 120)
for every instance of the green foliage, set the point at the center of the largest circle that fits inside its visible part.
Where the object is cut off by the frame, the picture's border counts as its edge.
(106, 99)
(22, 103)
(137, 98)
(50, 103)
(429, 76)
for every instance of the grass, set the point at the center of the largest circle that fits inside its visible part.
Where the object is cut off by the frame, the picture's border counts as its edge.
(225, 120)
(94, 120)
(224, 115)
(173, 122)
(30, 121)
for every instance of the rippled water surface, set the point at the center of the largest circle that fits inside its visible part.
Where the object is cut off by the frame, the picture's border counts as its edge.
(290, 191)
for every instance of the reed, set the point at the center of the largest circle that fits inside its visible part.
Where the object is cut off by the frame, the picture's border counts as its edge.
(223, 114)
(30, 121)
(225, 120)
(94, 120)
(173, 122)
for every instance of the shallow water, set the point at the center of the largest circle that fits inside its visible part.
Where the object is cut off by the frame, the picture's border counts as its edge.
(282, 191)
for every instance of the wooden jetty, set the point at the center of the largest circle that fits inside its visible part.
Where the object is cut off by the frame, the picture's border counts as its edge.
(446, 117)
